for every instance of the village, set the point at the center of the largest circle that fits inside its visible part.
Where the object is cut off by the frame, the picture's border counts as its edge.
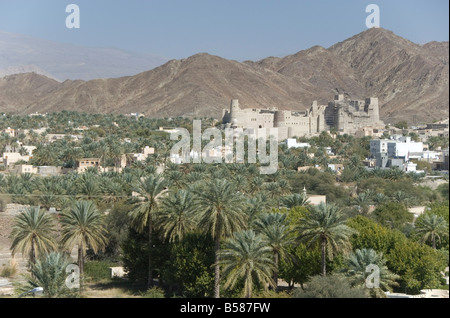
(406, 169)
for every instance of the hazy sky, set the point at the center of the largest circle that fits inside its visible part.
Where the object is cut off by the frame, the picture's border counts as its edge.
(240, 30)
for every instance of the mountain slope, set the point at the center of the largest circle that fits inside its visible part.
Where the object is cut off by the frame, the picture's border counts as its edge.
(407, 77)
(23, 89)
(200, 85)
(410, 80)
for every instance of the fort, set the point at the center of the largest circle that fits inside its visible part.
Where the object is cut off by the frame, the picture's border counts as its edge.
(342, 115)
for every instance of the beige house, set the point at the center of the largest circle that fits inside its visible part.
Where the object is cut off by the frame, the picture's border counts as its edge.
(19, 169)
(10, 158)
(142, 156)
(85, 163)
(10, 131)
(315, 199)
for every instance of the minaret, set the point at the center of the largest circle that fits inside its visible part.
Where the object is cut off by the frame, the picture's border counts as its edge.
(234, 112)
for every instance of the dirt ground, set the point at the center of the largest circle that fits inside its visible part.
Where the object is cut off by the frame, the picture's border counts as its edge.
(6, 222)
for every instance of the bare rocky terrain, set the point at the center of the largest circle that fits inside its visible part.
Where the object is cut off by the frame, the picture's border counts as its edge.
(410, 80)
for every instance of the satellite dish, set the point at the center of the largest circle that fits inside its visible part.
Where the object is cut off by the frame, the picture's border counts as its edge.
(38, 291)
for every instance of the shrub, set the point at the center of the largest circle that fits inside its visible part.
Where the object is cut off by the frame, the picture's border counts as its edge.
(333, 286)
(154, 292)
(9, 270)
(98, 270)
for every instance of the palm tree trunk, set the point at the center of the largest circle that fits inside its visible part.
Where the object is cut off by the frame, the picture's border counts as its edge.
(433, 238)
(217, 269)
(275, 273)
(32, 256)
(81, 258)
(150, 268)
(248, 284)
(324, 259)
(32, 252)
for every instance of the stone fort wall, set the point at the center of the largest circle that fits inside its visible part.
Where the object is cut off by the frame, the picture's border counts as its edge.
(345, 116)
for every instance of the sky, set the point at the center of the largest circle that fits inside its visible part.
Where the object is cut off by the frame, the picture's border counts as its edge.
(233, 29)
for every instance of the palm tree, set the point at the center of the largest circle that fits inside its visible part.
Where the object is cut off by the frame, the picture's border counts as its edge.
(325, 224)
(149, 189)
(274, 190)
(255, 185)
(357, 265)
(362, 202)
(247, 257)
(112, 191)
(87, 185)
(380, 198)
(175, 178)
(176, 216)
(255, 206)
(294, 200)
(50, 274)
(83, 225)
(49, 191)
(431, 226)
(221, 214)
(401, 197)
(44, 156)
(32, 233)
(275, 230)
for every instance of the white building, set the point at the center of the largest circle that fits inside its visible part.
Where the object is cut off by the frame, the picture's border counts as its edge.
(403, 147)
(292, 143)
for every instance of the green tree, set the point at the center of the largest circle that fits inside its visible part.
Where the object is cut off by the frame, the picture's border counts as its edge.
(372, 235)
(135, 255)
(275, 230)
(248, 257)
(149, 189)
(83, 226)
(430, 227)
(393, 215)
(221, 210)
(357, 265)
(189, 268)
(419, 266)
(32, 233)
(304, 263)
(177, 215)
(325, 225)
(443, 189)
(403, 124)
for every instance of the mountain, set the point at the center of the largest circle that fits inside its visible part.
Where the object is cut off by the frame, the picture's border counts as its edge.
(23, 89)
(410, 80)
(201, 85)
(66, 61)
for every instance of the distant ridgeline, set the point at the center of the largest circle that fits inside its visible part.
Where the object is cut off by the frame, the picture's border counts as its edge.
(342, 115)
